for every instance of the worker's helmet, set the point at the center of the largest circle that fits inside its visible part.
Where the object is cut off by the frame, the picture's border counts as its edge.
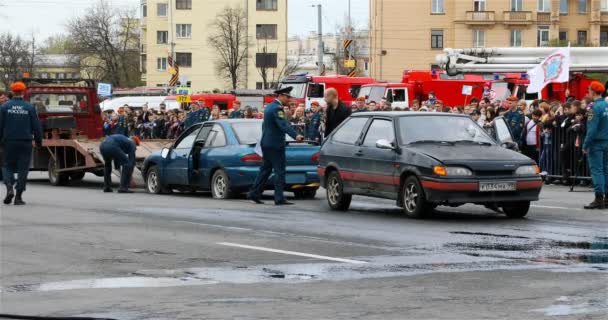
(136, 140)
(597, 87)
(18, 87)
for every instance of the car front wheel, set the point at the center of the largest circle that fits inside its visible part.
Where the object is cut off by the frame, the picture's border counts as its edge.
(414, 203)
(153, 182)
(516, 209)
(336, 198)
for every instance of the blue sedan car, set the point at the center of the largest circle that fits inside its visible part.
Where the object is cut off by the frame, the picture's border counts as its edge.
(219, 156)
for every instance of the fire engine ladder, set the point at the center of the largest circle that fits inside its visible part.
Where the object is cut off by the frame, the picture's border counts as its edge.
(490, 60)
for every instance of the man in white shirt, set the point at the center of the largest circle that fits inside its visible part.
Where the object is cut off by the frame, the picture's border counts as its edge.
(531, 136)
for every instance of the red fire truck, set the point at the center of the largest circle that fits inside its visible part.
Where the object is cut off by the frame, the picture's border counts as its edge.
(72, 126)
(308, 88)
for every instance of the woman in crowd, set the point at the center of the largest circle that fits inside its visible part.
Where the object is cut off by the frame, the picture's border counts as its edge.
(298, 121)
(215, 112)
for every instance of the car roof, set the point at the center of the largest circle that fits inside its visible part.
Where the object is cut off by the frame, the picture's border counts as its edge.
(395, 114)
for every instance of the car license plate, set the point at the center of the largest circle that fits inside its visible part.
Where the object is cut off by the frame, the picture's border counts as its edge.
(496, 186)
(295, 178)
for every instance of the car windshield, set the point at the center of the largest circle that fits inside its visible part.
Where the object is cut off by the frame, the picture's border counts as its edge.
(298, 91)
(250, 132)
(60, 102)
(450, 129)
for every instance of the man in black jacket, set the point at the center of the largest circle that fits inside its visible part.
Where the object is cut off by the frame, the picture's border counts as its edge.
(335, 112)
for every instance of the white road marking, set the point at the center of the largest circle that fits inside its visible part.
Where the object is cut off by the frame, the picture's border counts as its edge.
(293, 253)
(560, 208)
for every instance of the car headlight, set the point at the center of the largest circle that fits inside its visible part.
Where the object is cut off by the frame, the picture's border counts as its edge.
(527, 171)
(452, 171)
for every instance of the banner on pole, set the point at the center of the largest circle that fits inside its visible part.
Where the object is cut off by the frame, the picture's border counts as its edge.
(554, 68)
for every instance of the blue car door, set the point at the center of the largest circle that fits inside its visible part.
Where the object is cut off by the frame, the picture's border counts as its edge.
(211, 155)
(198, 165)
(377, 164)
(177, 163)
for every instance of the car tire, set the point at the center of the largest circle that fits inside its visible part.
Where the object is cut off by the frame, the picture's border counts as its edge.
(516, 210)
(414, 202)
(220, 185)
(77, 176)
(336, 198)
(57, 178)
(153, 182)
(305, 194)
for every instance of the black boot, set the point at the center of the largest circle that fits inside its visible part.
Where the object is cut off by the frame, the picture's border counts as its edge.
(10, 193)
(18, 200)
(598, 203)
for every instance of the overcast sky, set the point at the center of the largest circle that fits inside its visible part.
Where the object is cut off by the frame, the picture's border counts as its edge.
(48, 17)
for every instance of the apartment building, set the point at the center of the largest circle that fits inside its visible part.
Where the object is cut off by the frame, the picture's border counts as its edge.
(409, 34)
(186, 23)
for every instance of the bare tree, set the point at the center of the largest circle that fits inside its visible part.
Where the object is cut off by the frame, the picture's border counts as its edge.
(17, 56)
(107, 41)
(230, 41)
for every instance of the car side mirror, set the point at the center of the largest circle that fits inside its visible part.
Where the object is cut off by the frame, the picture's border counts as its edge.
(165, 153)
(510, 145)
(384, 144)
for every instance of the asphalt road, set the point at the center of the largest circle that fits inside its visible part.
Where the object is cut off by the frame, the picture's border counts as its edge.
(75, 251)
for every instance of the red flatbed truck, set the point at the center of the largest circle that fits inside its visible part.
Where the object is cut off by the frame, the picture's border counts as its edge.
(71, 120)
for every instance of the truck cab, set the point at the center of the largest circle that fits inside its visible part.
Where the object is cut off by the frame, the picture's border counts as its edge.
(307, 88)
(399, 95)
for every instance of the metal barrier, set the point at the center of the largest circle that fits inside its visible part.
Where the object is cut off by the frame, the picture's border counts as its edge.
(564, 157)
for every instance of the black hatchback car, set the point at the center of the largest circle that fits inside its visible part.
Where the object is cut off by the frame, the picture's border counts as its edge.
(423, 160)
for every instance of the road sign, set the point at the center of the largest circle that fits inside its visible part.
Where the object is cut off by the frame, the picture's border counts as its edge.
(183, 91)
(104, 89)
(183, 99)
(349, 63)
(467, 90)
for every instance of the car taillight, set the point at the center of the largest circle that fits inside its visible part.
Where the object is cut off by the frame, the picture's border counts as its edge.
(252, 157)
(315, 157)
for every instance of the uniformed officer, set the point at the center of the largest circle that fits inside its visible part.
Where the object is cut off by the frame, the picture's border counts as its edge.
(121, 150)
(121, 122)
(192, 116)
(203, 114)
(236, 111)
(18, 123)
(313, 127)
(361, 107)
(515, 118)
(274, 128)
(596, 145)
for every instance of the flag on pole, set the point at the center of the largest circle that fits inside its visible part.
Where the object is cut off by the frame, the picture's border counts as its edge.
(175, 71)
(554, 68)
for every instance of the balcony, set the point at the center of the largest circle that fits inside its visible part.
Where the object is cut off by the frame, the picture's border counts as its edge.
(480, 17)
(517, 17)
(543, 17)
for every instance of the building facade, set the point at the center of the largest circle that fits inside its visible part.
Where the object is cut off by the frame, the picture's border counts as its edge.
(406, 35)
(187, 24)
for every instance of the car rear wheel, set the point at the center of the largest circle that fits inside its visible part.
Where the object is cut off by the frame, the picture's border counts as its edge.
(57, 178)
(220, 185)
(414, 203)
(153, 182)
(516, 209)
(336, 198)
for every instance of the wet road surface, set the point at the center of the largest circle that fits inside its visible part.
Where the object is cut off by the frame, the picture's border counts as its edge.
(74, 251)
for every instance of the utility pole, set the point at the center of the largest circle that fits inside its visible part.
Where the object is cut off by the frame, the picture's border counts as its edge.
(320, 41)
(171, 34)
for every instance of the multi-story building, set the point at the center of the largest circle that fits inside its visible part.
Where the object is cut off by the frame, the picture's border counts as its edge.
(187, 25)
(302, 52)
(409, 34)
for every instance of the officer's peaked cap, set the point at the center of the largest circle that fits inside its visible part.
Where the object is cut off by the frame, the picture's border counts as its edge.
(284, 91)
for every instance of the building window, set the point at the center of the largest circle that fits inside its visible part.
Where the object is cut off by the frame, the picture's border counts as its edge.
(479, 38)
(144, 10)
(266, 5)
(366, 66)
(581, 37)
(266, 60)
(266, 31)
(582, 6)
(544, 5)
(184, 59)
(437, 6)
(183, 4)
(183, 30)
(142, 64)
(44, 75)
(604, 39)
(563, 36)
(563, 7)
(517, 5)
(479, 5)
(515, 38)
(60, 75)
(161, 9)
(436, 39)
(542, 36)
(162, 37)
(604, 5)
(161, 64)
